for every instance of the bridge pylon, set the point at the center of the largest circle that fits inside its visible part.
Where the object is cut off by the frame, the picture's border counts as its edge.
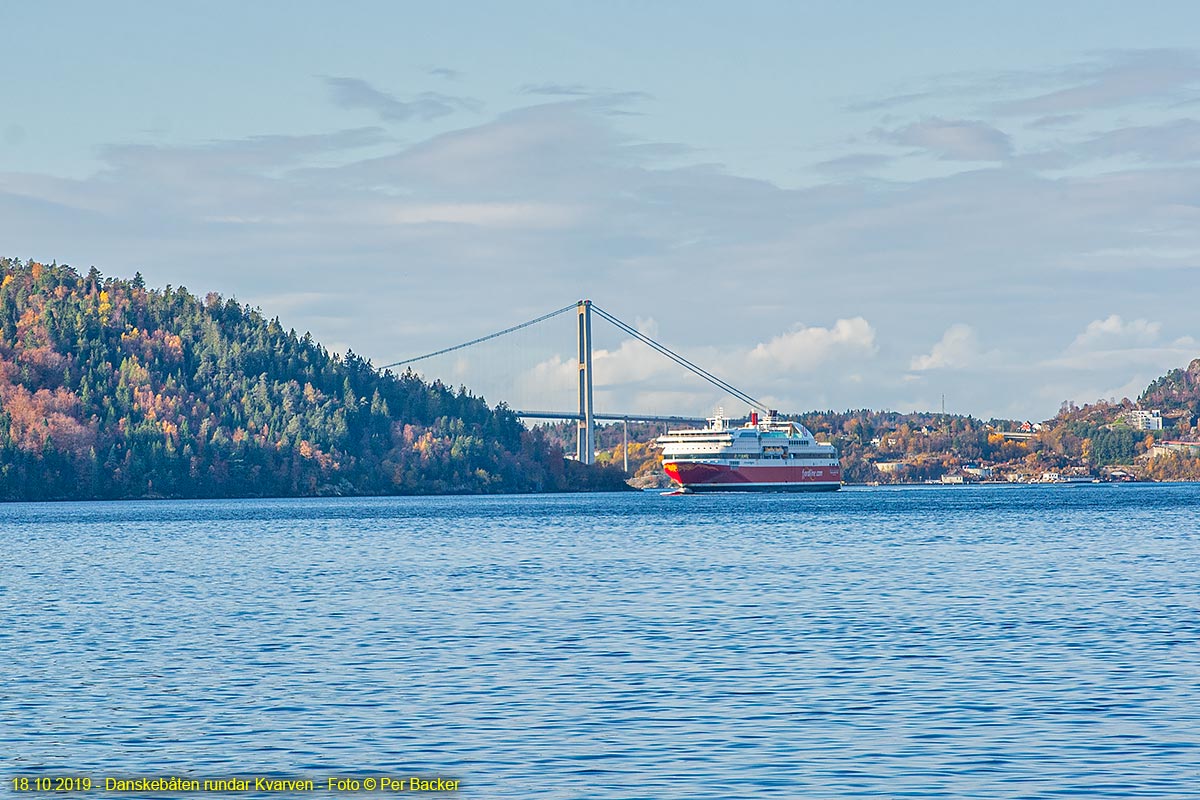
(586, 429)
(586, 447)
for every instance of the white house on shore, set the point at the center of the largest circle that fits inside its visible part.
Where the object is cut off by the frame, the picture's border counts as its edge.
(1141, 420)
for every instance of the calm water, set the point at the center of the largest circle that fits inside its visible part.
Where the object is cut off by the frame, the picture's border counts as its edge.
(961, 642)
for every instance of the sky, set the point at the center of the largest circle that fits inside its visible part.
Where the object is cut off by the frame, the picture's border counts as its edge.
(831, 206)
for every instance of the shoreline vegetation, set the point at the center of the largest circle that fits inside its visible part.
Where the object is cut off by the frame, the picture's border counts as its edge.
(110, 390)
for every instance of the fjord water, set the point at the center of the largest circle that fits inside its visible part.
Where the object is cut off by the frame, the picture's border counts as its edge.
(978, 642)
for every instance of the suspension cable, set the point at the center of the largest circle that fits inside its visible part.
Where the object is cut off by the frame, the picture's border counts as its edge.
(482, 339)
(681, 361)
(663, 349)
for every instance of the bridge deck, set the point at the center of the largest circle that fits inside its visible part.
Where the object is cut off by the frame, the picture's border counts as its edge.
(607, 417)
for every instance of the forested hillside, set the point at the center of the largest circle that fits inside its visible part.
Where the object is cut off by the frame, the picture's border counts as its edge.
(1177, 393)
(112, 390)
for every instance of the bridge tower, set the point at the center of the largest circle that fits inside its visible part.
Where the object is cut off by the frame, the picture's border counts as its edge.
(586, 448)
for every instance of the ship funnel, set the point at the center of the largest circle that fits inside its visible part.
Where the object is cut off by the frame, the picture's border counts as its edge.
(753, 417)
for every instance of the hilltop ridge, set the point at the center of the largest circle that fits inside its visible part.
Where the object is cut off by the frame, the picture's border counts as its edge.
(112, 390)
(1177, 392)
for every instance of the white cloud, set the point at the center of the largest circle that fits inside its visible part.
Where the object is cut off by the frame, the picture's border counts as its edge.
(633, 377)
(1112, 347)
(806, 347)
(646, 325)
(1114, 331)
(632, 362)
(957, 349)
(953, 139)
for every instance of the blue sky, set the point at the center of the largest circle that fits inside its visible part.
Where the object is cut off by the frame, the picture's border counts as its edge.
(831, 205)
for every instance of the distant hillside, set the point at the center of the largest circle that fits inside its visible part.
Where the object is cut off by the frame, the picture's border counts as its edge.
(112, 390)
(931, 444)
(1095, 439)
(1176, 393)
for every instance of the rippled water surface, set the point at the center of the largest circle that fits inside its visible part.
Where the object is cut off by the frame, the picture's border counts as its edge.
(989, 642)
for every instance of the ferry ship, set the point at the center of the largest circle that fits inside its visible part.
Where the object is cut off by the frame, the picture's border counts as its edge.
(763, 455)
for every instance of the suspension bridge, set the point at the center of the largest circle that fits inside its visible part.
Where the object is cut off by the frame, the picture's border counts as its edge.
(586, 414)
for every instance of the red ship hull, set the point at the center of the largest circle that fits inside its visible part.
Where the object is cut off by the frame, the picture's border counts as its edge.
(698, 476)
